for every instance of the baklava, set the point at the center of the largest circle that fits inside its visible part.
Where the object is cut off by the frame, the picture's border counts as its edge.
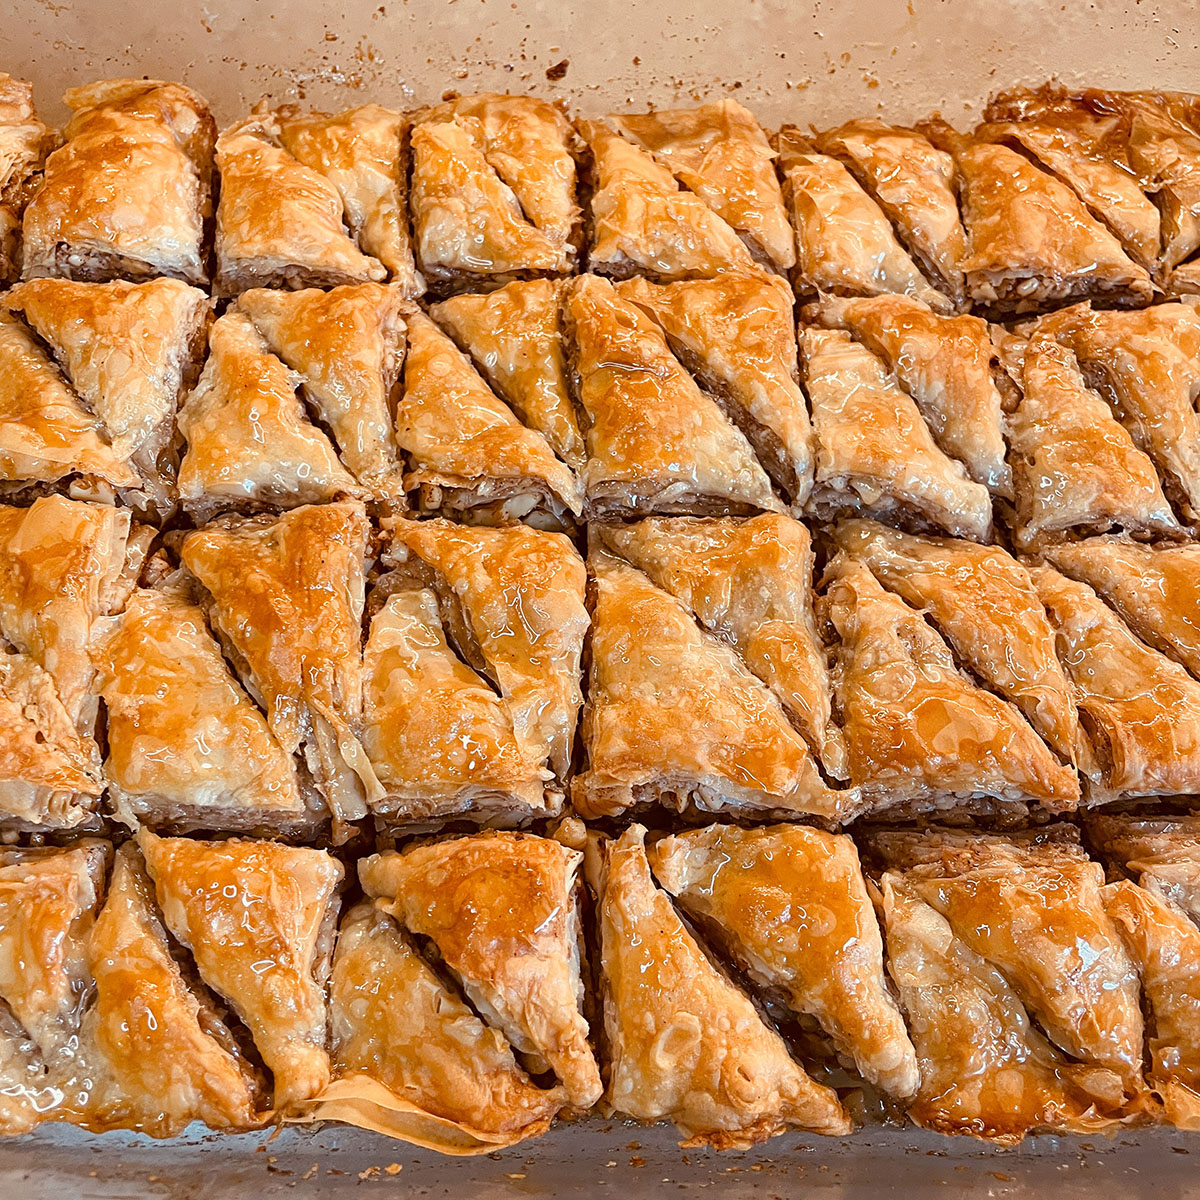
(471, 673)
(24, 142)
(157, 140)
(684, 1042)
(493, 193)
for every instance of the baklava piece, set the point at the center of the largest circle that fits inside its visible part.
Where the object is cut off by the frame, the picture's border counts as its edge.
(127, 354)
(1087, 146)
(656, 442)
(259, 921)
(790, 906)
(875, 454)
(514, 337)
(642, 222)
(157, 1055)
(749, 583)
(286, 599)
(736, 335)
(948, 365)
(280, 222)
(26, 1095)
(1155, 589)
(1141, 709)
(1163, 853)
(1032, 245)
(493, 192)
(49, 898)
(984, 603)
(363, 152)
(47, 436)
(468, 453)
(63, 567)
(127, 195)
(674, 716)
(1076, 468)
(684, 1042)
(1147, 365)
(501, 911)
(472, 672)
(345, 348)
(845, 245)
(187, 748)
(49, 772)
(983, 943)
(24, 143)
(249, 442)
(411, 1060)
(920, 733)
(915, 185)
(720, 153)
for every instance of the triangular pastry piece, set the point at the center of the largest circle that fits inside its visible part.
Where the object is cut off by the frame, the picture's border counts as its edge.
(61, 563)
(187, 748)
(347, 347)
(363, 152)
(287, 597)
(684, 1041)
(1087, 146)
(46, 434)
(127, 195)
(1146, 364)
(875, 454)
(656, 442)
(1076, 468)
(1162, 852)
(985, 1069)
(411, 1060)
(719, 152)
(279, 222)
(984, 604)
(250, 444)
(440, 740)
(130, 351)
(259, 920)
(750, 583)
(1165, 946)
(469, 453)
(844, 243)
(157, 1056)
(1140, 709)
(513, 602)
(914, 183)
(1155, 589)
(501, 911)
(949, 367)
(673, 715)
(514, 337)
(467, 220)
(48, 901)
(644, 223)
(1026, 906)
(1031, 242)
(493, 191)
(737, 336)
(918, 731)
(49, 772)
(790, 905)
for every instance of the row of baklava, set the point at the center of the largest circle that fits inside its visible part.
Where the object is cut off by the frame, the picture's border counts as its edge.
(1059, 196)
(735, 981)
(270, 674)
(560, 402)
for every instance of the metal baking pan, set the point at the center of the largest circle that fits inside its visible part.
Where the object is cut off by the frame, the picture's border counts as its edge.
(789, 60)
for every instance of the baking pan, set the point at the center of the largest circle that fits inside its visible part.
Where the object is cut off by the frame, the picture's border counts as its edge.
(808, 60)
